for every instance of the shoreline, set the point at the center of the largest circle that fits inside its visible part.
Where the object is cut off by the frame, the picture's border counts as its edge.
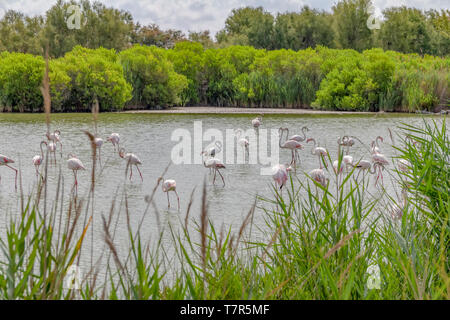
(235, 110)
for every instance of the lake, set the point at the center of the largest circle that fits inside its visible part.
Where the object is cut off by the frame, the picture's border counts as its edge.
(153, 138)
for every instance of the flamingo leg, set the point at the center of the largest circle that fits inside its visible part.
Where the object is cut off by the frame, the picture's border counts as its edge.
(140, 173)
(16, 175)
(223, 180)
(131, 172)
(168, 201)
(214, 180)
(178, 198)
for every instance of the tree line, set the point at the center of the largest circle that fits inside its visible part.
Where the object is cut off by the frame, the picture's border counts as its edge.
(345, 26)
(145, 77)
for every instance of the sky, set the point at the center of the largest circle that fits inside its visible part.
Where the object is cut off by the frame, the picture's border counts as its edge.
(198, 15)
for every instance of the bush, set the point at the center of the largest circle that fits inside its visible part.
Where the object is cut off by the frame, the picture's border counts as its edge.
(20, 80)
(154, 81)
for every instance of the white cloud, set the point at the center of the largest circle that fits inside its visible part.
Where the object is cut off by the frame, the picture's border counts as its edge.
(199, 15)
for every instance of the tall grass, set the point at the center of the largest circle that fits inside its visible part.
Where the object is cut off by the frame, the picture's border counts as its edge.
(317, 242)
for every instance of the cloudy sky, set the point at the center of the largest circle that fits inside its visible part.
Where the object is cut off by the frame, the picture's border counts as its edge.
(199, 15)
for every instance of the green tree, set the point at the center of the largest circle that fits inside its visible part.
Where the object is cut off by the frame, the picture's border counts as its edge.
(350, 22)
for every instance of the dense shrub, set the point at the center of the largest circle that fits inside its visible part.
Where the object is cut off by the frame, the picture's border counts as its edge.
(20, 79)
(154, 81)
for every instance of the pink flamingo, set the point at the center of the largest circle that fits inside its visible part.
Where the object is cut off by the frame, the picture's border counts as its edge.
(37, 159)
(256, 123)
(114, 138)
(280, 174)
(242, 141)
(318, 175)
(51, 147)
(55, 137)
(320, 152)
(132, 160)
(98, 144)
(74, 164)
(215, 164)
(397, 210)
(347, 141)
(5, 161)
(363, 166)
(375, 145)
(379, 161)
(289, 144)
(170, 185)
(298, 138)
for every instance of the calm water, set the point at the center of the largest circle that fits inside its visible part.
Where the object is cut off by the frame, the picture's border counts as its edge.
(149, 136)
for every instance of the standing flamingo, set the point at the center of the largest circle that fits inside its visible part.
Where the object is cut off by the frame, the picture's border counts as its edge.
(280, 174)
(51, 148)
(215, 164)
(37, 159)
(298, 138)
(132, 160)
(170, 185)
(211, 152)
(320, 152)
(5, 161)
(375, 145)
(55, 137)
(257, 121)
(347, 141)
(289, 144)
(98, 144)
(397, 210)
(242, 141)
(318, 176)
(363, 166)
(114, 138)
(75, 164)
(379, 160)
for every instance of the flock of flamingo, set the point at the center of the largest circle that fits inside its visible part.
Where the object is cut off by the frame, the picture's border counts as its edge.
(280, 172)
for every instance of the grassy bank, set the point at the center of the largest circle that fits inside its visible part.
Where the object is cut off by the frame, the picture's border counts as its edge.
(337, 241)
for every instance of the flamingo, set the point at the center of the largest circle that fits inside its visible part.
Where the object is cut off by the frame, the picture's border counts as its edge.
(114, 138)
(298, 138)
(51, 147)
(363, 165)
(379, 160)
(375, 146)
(320, 152)
(403, 165)
(318, 175)
(55, 137)
(75, 164)
(347, 160)
(170, 185)
(335, 167)
(5, 161)
(242, 141)
(289, 144)
(280, 174)
(211, 152)
(257, 121)
(396, 211)
(132, 160)
(37, 159)
(347, 141)
(98, 144)
(215, 164)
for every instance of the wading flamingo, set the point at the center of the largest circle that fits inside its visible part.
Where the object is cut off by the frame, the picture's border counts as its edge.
(55, 137)
(289, 144)
(114, 138)
(242, 141)
(318, 175)
(364, 166)
(397, 210)
(211, 152)
(298, 138)
(5, 161)
(257, 121)
(98, 144)
(37, 159)
(132, 160)
(375, 147)
(215, 164)
(75, 164)
(280, 174)
(170, 185)
(379, 161)
(320, 152)
(51, 148)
